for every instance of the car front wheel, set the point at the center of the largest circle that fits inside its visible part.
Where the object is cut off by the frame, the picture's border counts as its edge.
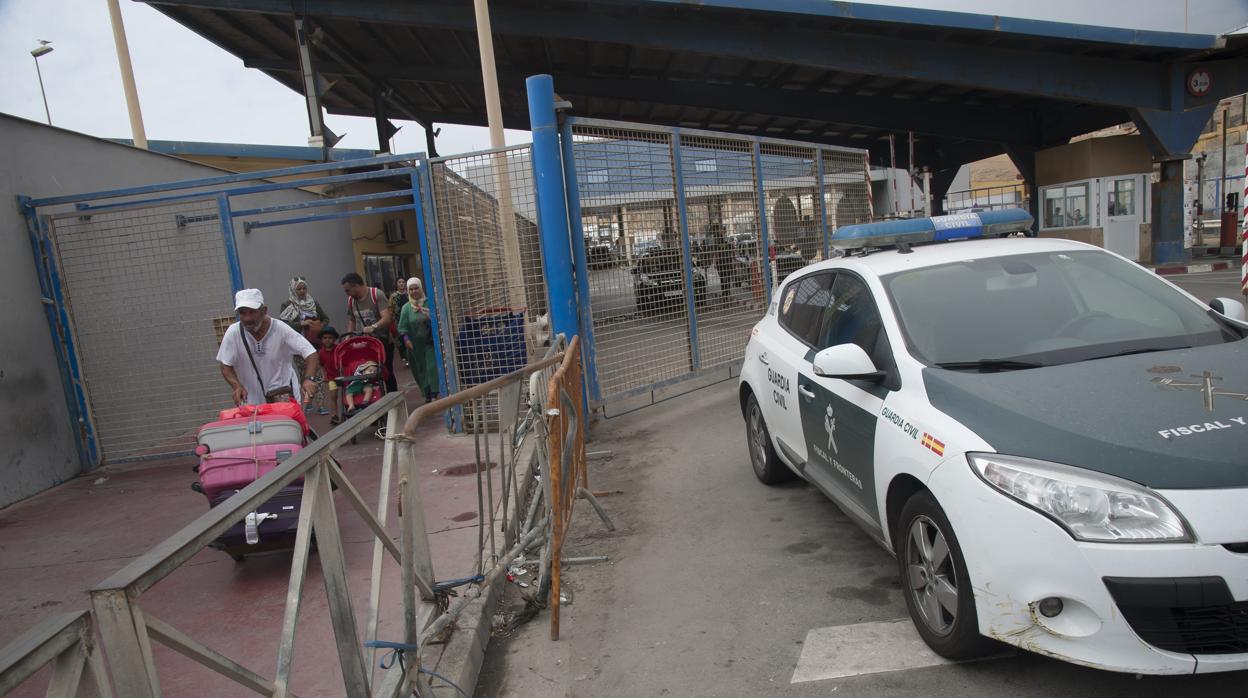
(934, 578)
(767, 466)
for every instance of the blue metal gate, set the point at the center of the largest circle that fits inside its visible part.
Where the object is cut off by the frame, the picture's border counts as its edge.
(138, 287)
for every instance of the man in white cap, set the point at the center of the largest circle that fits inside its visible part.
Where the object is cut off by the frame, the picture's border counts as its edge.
(258, 362)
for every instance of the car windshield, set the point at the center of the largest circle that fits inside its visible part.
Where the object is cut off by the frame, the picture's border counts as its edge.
(1044, 308)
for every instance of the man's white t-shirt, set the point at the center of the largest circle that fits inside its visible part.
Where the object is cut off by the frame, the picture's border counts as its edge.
(273, 356)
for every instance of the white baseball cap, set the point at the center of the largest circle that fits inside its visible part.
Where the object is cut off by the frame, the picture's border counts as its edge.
(248, 298)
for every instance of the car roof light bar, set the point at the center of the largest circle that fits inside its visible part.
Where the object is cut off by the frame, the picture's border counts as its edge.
(911, 231)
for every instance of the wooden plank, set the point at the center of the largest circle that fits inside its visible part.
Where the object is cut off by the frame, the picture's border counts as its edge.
(38, 646)
(134, 677)
(191, 648)
(167, 556)
(334, 570)
(98, 672)
(294, 586)
(357, 503)
(394, 422)
(67, 672)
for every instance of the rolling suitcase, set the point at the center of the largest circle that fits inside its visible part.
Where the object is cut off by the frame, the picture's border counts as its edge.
(233, 453)
(271, 526)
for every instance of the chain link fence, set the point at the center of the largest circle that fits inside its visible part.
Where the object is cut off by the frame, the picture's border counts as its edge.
(678, 227)
(485, 227)
(146, 290)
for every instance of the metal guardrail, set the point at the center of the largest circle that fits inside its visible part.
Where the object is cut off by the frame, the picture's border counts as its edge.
(987, 198)
(65, 642)
(127, 632)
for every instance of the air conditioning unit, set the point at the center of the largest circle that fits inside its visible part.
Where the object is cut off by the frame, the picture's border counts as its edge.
(395, 232)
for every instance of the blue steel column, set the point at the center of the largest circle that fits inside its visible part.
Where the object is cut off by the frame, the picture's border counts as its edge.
(231, 244)
(823, 204)
(1167, 221)
(427, 270)
(764, 238)
(84, 441)
(691, 300)
(552, 207)
(589, 348)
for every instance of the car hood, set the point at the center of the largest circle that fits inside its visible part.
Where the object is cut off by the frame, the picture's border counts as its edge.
(1167, 420)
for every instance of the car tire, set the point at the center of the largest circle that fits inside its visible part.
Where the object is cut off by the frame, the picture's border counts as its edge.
(929, 560)
(766, 464)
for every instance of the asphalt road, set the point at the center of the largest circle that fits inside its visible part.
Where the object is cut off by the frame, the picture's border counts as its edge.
(1210, 285)
(716, 584)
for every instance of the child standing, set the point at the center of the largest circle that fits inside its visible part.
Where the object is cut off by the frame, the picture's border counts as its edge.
(329, 338)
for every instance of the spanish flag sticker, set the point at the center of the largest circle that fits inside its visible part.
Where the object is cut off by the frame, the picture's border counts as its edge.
(933, 444)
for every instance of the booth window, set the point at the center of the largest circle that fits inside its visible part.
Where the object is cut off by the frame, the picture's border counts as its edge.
(1066, 206)
(1122, 198)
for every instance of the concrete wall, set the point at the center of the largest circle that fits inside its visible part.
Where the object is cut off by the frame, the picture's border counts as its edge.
(1093, 157)
(37, 446)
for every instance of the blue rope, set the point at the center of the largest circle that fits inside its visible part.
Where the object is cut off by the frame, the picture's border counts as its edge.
(396, 653)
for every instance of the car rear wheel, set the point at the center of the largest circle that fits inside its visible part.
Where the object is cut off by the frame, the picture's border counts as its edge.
(767, 466)
(935, 582)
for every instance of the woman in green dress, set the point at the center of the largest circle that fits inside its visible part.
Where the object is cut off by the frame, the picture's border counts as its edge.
(416, 328)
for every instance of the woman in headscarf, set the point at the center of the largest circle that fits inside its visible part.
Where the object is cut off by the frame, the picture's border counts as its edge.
(306, 316)
(416, 328)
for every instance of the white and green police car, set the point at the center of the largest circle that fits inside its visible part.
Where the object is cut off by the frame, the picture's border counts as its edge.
(1051, 439)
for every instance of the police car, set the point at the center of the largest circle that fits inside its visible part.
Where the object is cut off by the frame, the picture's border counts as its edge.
(1052, 440)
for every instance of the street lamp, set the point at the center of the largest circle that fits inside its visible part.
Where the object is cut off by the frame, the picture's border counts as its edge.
(43, 49)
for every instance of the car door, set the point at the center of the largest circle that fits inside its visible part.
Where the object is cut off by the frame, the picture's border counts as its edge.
(839, 416)
(802, 304)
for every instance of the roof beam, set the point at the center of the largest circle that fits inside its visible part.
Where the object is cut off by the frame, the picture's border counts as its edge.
(983, 123)
(1057, 75)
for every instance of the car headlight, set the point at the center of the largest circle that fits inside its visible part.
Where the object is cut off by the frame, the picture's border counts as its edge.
(1090, 506)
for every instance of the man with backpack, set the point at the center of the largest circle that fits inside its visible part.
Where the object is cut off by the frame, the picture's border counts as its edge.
(255, 355)
(369, 312)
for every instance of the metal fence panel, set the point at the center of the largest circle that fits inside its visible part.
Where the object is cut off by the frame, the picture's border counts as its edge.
(725, 232)
(490, 261)
(148, 292)
(631, 221)
(732, 198)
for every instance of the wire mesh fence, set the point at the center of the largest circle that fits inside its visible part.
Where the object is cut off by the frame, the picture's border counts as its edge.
(631, 222)
(649, 307)
(146, 290)
(491, 260)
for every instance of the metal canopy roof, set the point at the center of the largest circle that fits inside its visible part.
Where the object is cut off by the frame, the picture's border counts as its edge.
(970, 86)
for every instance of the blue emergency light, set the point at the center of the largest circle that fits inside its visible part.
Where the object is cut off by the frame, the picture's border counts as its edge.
(911, 231)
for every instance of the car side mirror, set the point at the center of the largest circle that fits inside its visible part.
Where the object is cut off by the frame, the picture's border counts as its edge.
(846, 361)
(1230, 308)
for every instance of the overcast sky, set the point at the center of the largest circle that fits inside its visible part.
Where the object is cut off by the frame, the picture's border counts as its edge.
(191, 90)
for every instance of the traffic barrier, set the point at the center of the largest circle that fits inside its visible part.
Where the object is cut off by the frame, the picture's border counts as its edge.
(565, 419)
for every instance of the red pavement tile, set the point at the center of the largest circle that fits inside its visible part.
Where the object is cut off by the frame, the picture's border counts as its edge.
(56, 545)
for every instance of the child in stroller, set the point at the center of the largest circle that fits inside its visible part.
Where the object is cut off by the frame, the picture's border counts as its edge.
(360, 360)
(367, 377)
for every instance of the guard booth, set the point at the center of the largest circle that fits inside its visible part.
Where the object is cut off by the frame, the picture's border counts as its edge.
(1098, 191)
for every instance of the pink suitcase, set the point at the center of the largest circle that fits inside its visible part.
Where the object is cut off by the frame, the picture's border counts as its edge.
(233, 453)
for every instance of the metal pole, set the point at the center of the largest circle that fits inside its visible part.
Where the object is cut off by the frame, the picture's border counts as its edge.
(552, 207)
(892, 171)
(45, 94)
(494, 116)
(927, 192)
(1243, 269)
(127, 76)
(910, 170)
(1226, 116)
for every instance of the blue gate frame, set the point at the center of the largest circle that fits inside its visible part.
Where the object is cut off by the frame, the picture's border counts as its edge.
(223, 188)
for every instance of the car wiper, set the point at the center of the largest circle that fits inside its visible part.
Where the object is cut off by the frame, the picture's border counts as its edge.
(1129, 352)
(990, 365)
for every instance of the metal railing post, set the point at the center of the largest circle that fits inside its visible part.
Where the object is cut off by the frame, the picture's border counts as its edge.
(552, 207)
(124, 634)
(764, 238)
(823, 204)
(691, 296)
